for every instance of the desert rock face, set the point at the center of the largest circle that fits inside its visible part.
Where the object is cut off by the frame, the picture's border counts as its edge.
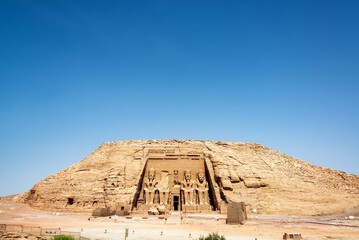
(266, 180)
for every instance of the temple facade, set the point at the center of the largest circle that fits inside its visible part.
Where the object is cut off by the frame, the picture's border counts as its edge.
(175, 181)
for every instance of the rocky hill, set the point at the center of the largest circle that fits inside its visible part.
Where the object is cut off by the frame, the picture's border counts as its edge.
(266, 180)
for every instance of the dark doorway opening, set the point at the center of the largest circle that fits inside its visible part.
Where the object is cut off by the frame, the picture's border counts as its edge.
(70, 201)
(175, 203)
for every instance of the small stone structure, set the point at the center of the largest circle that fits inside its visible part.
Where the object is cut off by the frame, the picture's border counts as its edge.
(102, 212)
(236, 213)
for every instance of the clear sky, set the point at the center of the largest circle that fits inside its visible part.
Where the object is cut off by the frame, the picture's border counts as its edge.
(75, 74)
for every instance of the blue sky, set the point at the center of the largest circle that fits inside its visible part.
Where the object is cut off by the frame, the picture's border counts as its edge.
(75, 74)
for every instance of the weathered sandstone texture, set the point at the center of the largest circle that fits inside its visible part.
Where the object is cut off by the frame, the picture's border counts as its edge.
(266, 180)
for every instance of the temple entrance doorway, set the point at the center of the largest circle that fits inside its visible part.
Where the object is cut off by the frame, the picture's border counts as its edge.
(175, 203)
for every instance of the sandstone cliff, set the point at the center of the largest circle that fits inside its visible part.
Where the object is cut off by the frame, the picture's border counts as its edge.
(266, 180)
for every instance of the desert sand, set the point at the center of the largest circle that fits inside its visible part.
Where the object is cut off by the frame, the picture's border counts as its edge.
(260, 227)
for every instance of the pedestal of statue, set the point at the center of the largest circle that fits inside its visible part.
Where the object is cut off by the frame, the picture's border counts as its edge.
(204, 208)
(189, 209)
(144, 208)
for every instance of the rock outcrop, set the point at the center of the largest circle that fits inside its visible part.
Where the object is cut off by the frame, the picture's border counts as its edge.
(266, 180)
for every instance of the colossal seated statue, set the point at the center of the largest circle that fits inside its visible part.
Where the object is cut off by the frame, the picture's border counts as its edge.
(202, 188)
(150, 186)
(163, 187)
(187, 188)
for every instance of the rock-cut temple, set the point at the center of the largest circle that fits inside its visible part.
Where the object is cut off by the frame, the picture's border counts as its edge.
(175, 181)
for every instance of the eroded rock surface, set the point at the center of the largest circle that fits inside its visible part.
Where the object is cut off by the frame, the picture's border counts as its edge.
(266, 180)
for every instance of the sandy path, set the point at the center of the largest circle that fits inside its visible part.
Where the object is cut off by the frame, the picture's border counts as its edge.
(260, 227)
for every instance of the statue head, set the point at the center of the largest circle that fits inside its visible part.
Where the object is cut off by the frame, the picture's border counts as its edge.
(200, 176)
(175, 173)
(151, 174)
(187, 175)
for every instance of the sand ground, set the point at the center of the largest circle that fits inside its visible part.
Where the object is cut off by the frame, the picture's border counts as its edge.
(260, 227)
